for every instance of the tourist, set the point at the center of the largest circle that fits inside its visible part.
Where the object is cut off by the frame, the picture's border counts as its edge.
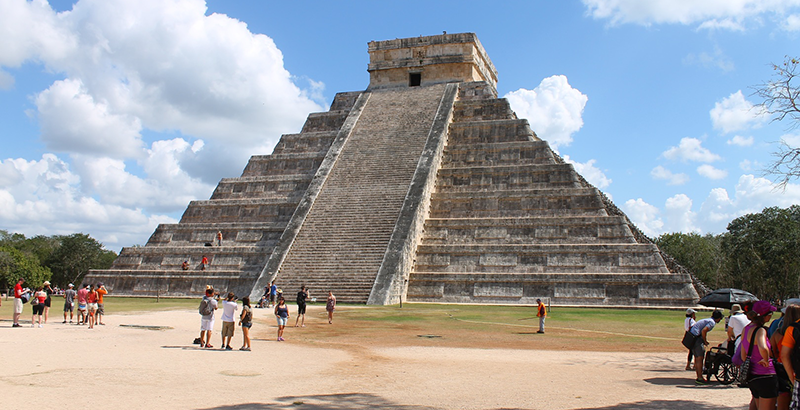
(219, 238)
(18, 302)
(541, 313)
(83, 317)
(246, 322)
(301, 306)
(185, 265)
(791, 314)
(47, 302)
(69, 302)
(101, 306)
(91, 304)
(790, 357)
(700, 331)
(273, 291)
(37, 300)
(207, 307)
(203, 263)
(691, 319)
(229, 307)
(763, 381)
(330, 305)
(736, 324)
(282, 314)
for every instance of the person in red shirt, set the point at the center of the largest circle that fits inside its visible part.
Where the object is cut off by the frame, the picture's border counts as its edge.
(18, 302)
(203, 263)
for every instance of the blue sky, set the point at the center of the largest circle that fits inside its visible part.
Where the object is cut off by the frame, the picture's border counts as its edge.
(114, 114)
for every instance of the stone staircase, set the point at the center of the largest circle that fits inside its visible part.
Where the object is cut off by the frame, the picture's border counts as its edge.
(344, 238)
(510, 222)
(251, 211)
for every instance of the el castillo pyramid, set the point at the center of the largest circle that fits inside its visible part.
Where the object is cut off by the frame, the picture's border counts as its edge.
(425, 187)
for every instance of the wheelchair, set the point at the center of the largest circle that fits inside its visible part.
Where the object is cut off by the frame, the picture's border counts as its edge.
(718, 363)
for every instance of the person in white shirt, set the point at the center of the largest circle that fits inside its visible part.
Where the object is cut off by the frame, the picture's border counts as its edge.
(691, 319)
(736, 324)
(229, 308)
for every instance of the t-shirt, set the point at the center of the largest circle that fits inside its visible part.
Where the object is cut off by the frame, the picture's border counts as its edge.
(213, 304)
(69, 296)
(774, 326)
(17, 291)
(273, 289)
(698, 327)
(301, 297)
(248, 315)
(788, 338)
(100, 293)
(82, 296)
(738, 322)
(688, 323)
(228, 309)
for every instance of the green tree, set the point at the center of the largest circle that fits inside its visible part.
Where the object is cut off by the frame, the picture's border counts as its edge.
(702, 255)
(15, 264)
(763, 252)
(74, 257)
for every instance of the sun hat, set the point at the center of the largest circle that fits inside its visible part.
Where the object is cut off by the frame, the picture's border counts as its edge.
(690, 311)
(736, 308)
(762, 307)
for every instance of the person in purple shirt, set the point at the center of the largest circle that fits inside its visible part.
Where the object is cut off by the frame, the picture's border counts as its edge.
(763, 382)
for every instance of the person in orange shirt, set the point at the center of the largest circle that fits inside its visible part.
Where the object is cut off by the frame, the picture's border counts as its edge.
(787, 345)
(101, 291)
(541, 313)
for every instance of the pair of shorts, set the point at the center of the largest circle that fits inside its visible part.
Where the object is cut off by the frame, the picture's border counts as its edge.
(17, 306)
(301, 308)
(764, 386)
(68, 307)
(227, 329)
(271, 297)
(81, 307)
(282, 320)
(207, 324)
(47, 302)
(93, 307)
(247, 325)
(38, 309)
(101, 309)
(698, 348)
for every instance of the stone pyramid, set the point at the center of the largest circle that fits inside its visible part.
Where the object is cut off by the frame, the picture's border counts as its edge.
(425, 187)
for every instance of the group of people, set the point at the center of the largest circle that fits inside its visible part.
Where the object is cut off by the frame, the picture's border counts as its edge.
(773, 354)
(91, 307)
(272, 297)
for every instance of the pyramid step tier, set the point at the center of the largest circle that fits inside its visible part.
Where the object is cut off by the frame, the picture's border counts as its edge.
(504, 177)
(500, 153)
(482, 132)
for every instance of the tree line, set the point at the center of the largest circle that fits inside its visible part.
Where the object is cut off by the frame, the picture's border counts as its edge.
(759, 253)
(60, 259)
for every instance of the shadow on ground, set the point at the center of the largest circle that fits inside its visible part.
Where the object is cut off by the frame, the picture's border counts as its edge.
(355, 401)
(666, 405)
(358, 401)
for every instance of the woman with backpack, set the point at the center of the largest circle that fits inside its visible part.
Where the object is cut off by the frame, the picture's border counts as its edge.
(37, 300)
(790, 315)
(762, 380)
(790, 357)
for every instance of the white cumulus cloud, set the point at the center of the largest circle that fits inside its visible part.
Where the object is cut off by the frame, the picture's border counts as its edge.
(710, 172)
(735, 113)
(690, 149)
(741, 141)
(554, 109)
(646, 217)
(590, 172)
(710, 14)
(662, 173)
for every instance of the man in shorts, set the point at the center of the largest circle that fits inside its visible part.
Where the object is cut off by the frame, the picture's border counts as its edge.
(69, 302)
(301, 306)
(700, 331)
(101, 291)
(229, 308)
(207, 321)
(18, 302)
(273, 290)
(83, 315)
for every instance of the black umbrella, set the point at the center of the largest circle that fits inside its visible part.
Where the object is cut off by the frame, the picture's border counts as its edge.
(726, 297)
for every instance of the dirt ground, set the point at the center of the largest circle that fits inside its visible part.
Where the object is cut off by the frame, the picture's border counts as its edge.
(321, 366)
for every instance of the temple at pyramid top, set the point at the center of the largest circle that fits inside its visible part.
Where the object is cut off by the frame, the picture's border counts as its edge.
(424, 187)
(422, 61)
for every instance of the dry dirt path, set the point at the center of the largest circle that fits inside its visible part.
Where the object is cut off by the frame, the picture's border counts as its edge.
(115, 366)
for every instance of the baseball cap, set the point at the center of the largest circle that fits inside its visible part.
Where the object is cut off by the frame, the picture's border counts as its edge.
(762, 307)
(690, 311)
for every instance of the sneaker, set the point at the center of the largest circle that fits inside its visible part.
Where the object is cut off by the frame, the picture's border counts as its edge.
(281, 339)
(208, 346)
(540, 331)
(202, 344)
(228, 348)
(64, 321)
(40, 325)
(16, 325)
(700, 382)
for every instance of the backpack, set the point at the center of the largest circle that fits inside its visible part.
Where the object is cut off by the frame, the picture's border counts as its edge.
(205, 308)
